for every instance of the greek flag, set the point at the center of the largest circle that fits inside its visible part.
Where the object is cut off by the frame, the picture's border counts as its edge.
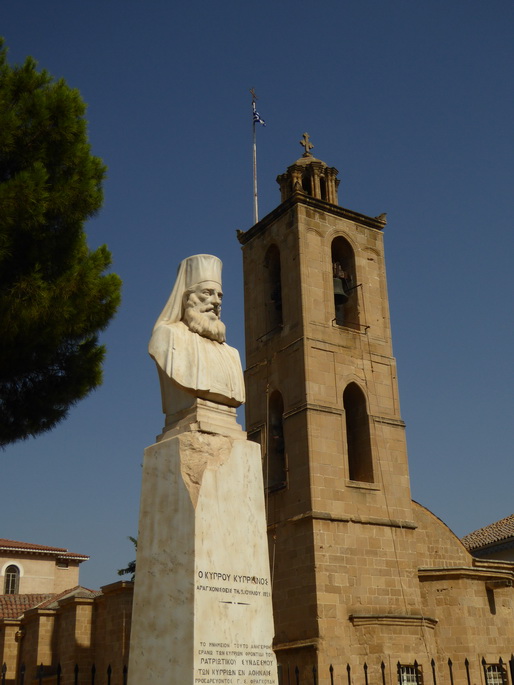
(257, 117)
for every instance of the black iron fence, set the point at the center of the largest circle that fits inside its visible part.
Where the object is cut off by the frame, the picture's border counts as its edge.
(47, 675)
(495, 673)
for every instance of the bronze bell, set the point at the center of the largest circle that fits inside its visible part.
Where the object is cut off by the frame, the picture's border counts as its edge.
(340, 293)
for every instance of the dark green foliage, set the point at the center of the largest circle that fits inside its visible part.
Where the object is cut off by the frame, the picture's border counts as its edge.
(54, 295)
(131, 566)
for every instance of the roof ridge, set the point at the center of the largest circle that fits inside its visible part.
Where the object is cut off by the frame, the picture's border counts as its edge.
(5, 542)
(70, 592)
(17, 546)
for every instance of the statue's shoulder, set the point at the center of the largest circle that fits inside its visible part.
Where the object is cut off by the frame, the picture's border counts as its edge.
(171, 329)
(232, 351)
(167, 336)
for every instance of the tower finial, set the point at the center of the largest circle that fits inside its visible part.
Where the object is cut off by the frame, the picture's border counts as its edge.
(307, 145)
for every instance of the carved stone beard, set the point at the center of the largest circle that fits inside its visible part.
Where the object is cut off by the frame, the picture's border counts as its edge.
(200, 323)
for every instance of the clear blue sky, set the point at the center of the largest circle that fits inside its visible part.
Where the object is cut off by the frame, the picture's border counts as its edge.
(412, 101)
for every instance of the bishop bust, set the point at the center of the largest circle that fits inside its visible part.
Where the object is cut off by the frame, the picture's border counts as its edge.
(188, 342)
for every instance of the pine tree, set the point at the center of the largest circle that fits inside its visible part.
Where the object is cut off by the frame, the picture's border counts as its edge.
(54, 294)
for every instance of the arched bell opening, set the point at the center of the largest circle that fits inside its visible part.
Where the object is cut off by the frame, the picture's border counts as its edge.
(273, 288)
(358, 438)
(275, 465)
(346, 303)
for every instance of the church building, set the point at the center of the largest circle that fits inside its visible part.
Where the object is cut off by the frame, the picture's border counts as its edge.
(369, 587)
(367, 584)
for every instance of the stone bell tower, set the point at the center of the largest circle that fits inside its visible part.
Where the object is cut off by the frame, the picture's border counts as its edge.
(323, 404)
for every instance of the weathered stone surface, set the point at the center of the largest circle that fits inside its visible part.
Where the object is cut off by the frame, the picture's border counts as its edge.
(202, 604)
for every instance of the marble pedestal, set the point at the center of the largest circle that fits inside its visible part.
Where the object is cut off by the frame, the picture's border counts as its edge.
(202, 599)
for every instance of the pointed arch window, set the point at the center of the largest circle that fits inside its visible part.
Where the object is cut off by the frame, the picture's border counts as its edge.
(358, 439)
(273, 288)
(275, 465)
(12, 580)
(346, 303)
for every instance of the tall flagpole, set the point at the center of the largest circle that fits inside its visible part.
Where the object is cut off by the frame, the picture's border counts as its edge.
(256, 119)
(255, 200)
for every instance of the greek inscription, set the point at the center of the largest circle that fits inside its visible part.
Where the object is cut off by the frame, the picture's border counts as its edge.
(236, 577)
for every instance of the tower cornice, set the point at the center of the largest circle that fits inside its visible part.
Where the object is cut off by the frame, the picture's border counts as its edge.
(301, 198)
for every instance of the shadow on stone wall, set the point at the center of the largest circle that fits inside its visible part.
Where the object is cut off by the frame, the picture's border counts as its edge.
(80, 638)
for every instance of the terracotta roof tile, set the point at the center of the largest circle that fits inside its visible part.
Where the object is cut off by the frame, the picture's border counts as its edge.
(77, 591)
(27, 547)
(495, 532)
(14, 544)
(13, 606)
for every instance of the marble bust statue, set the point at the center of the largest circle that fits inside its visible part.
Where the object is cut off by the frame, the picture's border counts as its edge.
(188, 342)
